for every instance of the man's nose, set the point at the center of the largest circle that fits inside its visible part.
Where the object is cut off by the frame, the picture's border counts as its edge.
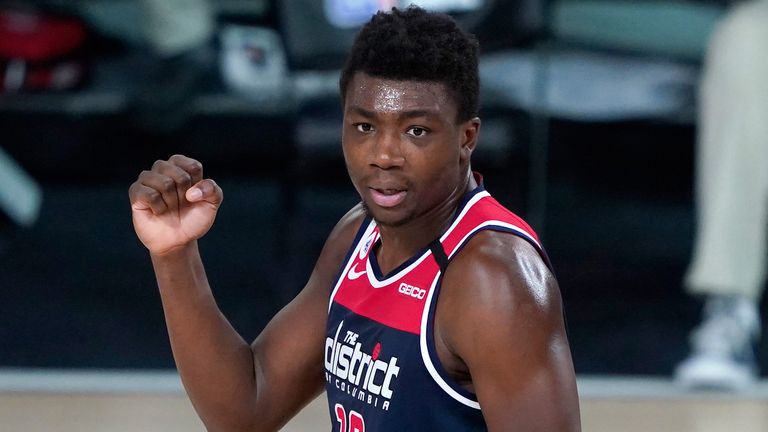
(388, 151)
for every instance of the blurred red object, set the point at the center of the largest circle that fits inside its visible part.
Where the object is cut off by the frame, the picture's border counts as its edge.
(39, 51)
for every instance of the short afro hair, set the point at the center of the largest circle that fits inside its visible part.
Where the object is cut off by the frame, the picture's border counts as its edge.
(414, 44)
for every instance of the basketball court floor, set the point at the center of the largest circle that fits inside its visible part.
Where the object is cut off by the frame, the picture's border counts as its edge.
(68, 401)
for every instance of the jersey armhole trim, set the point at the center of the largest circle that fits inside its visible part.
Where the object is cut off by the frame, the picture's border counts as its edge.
(499, 226)
(429, 354)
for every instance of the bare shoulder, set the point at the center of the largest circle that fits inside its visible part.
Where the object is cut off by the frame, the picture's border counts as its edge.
(500, 320)
(498, 287)
(339, 240)
(500, 272)
(351, 220)
(348, 225)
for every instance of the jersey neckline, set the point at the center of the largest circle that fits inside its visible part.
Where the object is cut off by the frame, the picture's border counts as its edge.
(373, 263)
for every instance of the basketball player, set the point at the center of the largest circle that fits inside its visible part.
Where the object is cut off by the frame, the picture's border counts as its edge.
(431, 307)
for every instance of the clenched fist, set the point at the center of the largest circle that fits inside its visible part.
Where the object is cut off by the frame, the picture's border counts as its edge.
(172, 204)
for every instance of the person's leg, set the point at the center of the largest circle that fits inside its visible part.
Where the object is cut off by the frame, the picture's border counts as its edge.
(728, 263)
(732, 179)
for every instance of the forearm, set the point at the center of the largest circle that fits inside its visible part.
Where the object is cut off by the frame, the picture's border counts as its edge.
(214, 362)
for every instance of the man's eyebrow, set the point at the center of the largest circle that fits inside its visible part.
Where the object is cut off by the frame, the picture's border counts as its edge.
(417, 113)
(363, 112)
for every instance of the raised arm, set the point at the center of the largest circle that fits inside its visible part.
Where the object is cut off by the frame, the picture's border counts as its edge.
(500, 318)
(233, 385)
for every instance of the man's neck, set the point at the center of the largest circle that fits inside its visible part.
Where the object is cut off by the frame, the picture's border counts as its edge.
(399, 243)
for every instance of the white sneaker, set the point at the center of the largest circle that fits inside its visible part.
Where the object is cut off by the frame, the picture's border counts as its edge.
(722, 355)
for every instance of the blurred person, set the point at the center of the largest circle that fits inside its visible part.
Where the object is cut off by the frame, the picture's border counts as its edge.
(430, 307)
(175, 40)
(179, 34)
(729, 256)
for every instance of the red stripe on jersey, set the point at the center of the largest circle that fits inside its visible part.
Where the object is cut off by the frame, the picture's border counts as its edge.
(398, 302)
(484, 210)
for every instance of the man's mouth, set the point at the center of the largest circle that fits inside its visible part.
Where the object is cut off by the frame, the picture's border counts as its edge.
(387, 197)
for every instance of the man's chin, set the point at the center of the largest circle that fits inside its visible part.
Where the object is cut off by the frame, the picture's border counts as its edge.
(384, 218)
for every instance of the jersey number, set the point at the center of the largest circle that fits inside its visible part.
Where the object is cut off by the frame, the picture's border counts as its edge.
(356, 423)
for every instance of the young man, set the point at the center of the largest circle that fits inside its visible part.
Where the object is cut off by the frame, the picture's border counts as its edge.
(431, 307)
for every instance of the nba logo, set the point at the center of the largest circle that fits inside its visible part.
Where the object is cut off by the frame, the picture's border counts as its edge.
(367, 245)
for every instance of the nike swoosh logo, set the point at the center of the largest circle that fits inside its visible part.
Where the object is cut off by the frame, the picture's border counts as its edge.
(355, 274)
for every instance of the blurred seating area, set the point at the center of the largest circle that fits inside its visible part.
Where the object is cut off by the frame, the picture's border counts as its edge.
(276, 63)
(588, 111)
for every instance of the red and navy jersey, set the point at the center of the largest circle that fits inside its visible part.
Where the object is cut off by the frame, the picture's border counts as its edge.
(381, 368)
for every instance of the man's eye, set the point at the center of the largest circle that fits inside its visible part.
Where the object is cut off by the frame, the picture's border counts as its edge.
(417, 131)
(364, 127)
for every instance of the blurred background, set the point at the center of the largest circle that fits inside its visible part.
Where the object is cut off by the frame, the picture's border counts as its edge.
(589, 132)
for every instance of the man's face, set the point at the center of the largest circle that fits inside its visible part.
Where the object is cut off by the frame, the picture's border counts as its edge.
(405, 152)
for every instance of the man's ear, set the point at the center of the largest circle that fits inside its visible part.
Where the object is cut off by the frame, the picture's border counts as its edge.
(469, 135)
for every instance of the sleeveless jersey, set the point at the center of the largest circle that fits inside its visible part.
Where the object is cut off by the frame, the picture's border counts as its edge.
(381, 368)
